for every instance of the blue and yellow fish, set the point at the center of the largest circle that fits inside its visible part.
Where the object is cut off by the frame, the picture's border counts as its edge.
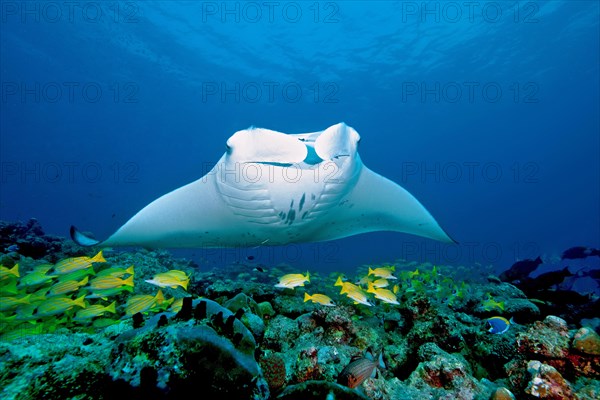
(499, 325)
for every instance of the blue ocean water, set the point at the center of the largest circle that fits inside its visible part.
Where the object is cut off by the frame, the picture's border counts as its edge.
(488, 112)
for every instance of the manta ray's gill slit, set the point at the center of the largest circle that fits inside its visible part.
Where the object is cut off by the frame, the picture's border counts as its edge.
(301, 202)
(290, 217)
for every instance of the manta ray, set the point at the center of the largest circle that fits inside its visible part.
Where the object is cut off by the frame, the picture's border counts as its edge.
(272, 188)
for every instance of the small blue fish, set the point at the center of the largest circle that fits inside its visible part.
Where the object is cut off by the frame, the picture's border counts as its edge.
(12, 247)
(499, 325)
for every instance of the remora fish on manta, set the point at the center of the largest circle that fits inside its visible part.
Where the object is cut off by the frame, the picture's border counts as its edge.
(272, 188)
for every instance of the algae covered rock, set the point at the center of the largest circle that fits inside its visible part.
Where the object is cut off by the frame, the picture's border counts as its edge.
(587, 341)
(444, 374)
(55, 366)
(213, 351)
(550, 339)
(320, 390)
(255, 324)
(242, 301)
(266, 309)
(280, 333)
(274, 371)
(546, 382)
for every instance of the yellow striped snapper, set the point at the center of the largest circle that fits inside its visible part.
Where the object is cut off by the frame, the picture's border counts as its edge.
(76, 275)
(346, 286)
(291, 281)
(176, 305)
(319, 298)
(359, 297)
(94, 311)
(58, 305)
(10, 303)
(7, 320)
(106, 293)
(9, 287)
(380, 283)
(22, 331)
(384, 295)
(171, 279)
(109, 282)
(116, 272)
(383, 272)
(76, 263)
(143, 303)
(66, 287)
(36, 277)
(6, 273)
(25, 312)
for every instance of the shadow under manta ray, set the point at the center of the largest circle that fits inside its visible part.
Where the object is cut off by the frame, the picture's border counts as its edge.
(272, 188)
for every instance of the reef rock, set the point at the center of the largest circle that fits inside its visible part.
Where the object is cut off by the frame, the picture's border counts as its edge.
(447, 372)
(502, 393)
(547, 383)
(587, 341)
(213, 351)
(549, 339)
(242, 301)
(320, 390)
(56, 366)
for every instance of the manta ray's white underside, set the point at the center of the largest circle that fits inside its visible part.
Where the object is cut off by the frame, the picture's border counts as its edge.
(272, 188)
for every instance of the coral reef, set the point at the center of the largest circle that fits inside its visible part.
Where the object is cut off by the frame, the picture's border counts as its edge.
(274, 371)
(233, 333)
(32, 242)
(587, 341)
(546, 382)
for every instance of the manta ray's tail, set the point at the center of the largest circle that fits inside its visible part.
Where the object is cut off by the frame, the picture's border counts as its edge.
(81, 238)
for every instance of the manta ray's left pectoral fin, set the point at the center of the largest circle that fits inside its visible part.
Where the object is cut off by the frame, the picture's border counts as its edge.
(379, 204)
(81, 238)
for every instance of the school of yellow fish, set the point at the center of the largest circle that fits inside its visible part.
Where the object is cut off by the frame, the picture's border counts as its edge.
(75, 292)
(383, 285)
(376, 285)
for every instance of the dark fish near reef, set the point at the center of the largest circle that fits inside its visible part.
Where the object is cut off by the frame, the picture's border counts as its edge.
(545, 280)
(520, 270)
(592, 273)
(11, 248)
(563, 297)
(359, 369)
(579, 252)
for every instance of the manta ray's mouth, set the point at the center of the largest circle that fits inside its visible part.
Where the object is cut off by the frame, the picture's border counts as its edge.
(312, 158)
